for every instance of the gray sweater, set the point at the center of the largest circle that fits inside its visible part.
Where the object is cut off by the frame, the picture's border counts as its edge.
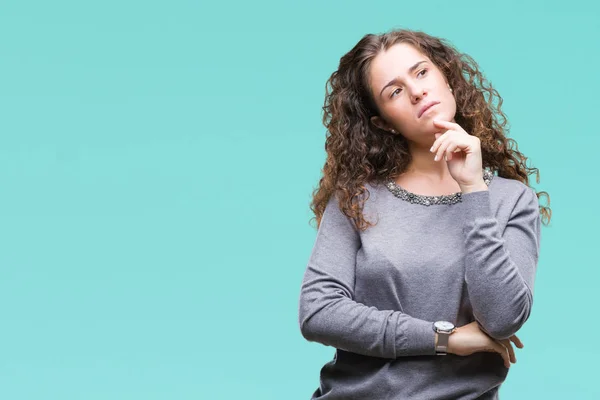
(374, 295)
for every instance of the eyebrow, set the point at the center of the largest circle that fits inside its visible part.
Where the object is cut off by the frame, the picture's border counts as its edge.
(395, 80)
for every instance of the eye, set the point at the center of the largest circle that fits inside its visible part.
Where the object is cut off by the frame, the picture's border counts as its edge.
(421, 73)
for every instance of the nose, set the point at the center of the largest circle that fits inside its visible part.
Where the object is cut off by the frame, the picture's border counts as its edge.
(417, 93)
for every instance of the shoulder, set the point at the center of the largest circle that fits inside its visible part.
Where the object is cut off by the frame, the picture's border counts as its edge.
(373, 188)
(370, 204)
(510, 188)
(370, 196)
(510, 195)
(374, 196)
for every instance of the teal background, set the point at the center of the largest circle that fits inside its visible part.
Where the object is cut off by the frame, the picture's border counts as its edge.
(156, 166)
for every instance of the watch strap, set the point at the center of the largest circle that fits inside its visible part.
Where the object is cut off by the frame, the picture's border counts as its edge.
(443, 336)
(442, 343)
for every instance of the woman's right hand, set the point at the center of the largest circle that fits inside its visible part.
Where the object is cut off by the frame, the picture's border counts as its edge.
(469, 339)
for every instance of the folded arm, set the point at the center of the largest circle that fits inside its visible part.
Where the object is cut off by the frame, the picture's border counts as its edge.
(328, 313)
(500, 267)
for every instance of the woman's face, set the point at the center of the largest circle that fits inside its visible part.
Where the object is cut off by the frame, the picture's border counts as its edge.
(403, 81)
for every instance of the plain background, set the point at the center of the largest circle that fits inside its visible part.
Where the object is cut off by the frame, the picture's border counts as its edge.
(156, 165)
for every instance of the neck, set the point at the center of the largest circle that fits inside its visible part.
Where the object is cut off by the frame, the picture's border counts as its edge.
(422, 162)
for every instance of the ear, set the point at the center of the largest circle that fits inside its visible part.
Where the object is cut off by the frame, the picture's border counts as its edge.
(380, 123)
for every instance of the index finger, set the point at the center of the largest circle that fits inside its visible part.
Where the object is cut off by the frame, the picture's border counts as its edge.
(516, 341)
(446, 124)
(503, 351)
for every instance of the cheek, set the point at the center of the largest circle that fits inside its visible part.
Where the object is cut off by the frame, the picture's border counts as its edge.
(399, 110)
(449, 110)
(452, 103)
(408, 115)
(400, 117)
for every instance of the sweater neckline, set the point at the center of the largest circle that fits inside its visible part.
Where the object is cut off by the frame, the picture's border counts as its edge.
(447, 199)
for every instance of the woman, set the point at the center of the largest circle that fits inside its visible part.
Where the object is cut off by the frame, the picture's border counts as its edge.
(428, 235)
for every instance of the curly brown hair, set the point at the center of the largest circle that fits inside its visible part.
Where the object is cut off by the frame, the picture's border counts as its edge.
(358, 152)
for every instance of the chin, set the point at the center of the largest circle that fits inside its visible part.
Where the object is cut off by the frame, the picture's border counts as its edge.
(444, 115)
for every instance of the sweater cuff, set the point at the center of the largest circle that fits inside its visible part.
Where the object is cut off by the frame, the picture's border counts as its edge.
(420, 339)
(477, 204)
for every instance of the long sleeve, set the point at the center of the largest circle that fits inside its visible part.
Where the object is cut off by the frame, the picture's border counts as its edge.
(328, 313)
(500, 267)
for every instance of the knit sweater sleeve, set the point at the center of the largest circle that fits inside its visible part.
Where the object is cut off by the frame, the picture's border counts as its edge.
(500, 266)
(328, 313)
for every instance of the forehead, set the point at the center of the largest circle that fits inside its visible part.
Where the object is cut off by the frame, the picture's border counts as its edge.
(393, 62)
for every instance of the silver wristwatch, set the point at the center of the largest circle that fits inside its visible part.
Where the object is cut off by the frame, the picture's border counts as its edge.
(444, 329)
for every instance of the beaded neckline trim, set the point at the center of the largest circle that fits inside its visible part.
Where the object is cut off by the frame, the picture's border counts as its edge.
(447, 199)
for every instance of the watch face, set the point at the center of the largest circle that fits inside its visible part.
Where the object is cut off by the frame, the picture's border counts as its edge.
(444, 325)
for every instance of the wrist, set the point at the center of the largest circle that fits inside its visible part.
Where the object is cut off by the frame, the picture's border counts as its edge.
(451, 340)
(475, 187)
(443, 330)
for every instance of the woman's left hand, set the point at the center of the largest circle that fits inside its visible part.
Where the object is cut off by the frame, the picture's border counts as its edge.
(462, 153)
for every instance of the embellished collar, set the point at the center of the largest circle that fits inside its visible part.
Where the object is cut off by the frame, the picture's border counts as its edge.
(447, 199)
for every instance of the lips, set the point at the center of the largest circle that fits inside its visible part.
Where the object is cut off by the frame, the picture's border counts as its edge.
(427, 107)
